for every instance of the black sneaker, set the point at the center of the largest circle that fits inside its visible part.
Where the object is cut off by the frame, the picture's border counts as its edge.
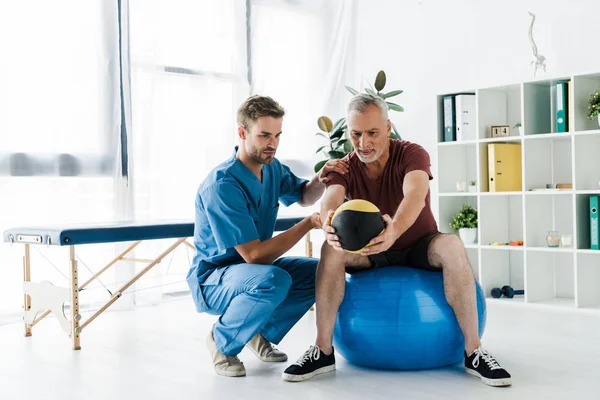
(484, 366)
(313, 362)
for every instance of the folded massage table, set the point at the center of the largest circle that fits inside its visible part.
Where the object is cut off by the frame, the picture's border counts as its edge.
(46, 298)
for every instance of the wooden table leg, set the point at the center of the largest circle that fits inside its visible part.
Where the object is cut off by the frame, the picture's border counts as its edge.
(27, 278)
(75, 317)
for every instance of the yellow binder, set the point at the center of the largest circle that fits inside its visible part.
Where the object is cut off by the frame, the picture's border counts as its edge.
(504, 164)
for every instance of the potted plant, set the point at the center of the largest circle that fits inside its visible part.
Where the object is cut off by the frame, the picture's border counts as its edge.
(465, 222)
(594, 106)
(517, 129)
(338, 143)
(473, 187)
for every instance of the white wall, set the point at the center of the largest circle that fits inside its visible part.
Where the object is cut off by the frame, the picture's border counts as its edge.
(428, 47)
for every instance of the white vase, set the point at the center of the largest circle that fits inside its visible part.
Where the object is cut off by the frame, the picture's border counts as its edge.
(473, 189)
(468, 235)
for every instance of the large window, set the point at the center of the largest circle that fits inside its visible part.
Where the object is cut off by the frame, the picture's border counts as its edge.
(59, 125)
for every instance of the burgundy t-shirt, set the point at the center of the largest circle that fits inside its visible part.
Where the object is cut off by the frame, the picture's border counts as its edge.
(386, 191)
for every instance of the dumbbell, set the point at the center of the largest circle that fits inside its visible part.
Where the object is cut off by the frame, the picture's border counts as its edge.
(507, 291)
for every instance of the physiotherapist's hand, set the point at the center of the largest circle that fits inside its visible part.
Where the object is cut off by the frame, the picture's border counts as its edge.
(338, 166)
(332, 238)
(383, 241)
(315, 220)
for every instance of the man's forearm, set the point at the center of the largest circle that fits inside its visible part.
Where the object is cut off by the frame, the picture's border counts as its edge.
(312, 192)
(269, 250)
(409, 210)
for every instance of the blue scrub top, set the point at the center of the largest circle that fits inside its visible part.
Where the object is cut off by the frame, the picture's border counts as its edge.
(233, 207)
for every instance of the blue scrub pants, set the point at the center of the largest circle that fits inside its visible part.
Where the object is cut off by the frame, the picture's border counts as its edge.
(253, 298)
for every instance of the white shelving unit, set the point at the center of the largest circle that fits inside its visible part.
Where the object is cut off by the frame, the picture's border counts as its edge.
(564, 277)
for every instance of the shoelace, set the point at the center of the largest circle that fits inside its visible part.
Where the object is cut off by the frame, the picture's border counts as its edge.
(487, 357)
(313, 353)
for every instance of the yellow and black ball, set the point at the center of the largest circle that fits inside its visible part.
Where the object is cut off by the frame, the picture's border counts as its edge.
(356, 222)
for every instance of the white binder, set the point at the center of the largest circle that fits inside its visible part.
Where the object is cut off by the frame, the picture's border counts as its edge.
(465, 117)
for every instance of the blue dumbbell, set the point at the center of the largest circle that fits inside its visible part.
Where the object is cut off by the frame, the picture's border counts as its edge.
(507, 291)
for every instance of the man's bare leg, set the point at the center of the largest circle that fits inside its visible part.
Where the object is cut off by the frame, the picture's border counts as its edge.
(331, 283)
(447, 252)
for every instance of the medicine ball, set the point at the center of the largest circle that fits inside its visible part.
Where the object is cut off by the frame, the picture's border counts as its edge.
(356, 222)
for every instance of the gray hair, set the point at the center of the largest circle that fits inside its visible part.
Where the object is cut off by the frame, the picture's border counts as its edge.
(361, 101)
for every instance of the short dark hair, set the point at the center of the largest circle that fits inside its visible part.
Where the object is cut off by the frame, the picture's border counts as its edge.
(255, 107)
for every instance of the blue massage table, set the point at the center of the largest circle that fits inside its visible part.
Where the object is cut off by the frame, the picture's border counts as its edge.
(45, 297)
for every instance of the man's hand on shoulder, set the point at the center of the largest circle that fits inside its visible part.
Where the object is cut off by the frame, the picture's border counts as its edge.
(340, 166)
(384, 241)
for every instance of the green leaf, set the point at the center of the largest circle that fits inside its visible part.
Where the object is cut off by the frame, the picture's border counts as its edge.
(325, 124)
(371, 91)
(320, 134)
(380, 81)
(338, 124)
(319, 165)
(334, 154)
(392, 94)
(336, 135)
(394, 106)
(341, 142)
(348, 147)
(353, 91)
(320, 148)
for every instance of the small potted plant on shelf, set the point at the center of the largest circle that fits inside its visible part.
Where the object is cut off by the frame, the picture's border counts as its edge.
(594, 106)
(473, 187)
(517, 129)
(465, 222)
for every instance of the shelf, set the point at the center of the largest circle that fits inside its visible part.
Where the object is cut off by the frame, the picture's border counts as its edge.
(550, 278)
(554, 136)
(506, 247)
(501, 193)
(548, 192)
(471, 246)
(588, 251)
(547, 213)
(500, 268)
(565, 277)
(498, 106)
(501, 219)
(590, 132)
(457, 143)
(588, 279)
(595, 191)
(458, 194)
(461, 166)
(506, 139)
(449, 207)
(587, 150)
(552, 249)
(547, 161)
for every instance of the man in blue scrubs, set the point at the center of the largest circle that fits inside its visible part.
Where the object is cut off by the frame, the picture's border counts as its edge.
(238, 272)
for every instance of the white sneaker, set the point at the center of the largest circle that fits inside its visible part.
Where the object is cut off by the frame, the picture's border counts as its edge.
(264, 350)
(224, 365)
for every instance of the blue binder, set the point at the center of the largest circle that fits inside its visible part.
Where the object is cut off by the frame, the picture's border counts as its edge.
(562, 106)
(449, 119)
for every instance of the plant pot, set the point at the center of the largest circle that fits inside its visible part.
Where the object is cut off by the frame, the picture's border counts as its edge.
(598, 120)
(468, 235)
(472, 189)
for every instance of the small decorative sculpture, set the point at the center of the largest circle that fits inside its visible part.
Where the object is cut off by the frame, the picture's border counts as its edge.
(540, 60)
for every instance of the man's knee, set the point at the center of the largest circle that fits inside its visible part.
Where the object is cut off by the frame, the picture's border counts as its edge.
(445, 247)
(341, 259)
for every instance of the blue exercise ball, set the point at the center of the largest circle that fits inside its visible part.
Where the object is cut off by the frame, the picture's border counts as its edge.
(399, 318)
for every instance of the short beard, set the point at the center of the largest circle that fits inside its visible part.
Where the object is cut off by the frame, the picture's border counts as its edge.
(255, 155)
